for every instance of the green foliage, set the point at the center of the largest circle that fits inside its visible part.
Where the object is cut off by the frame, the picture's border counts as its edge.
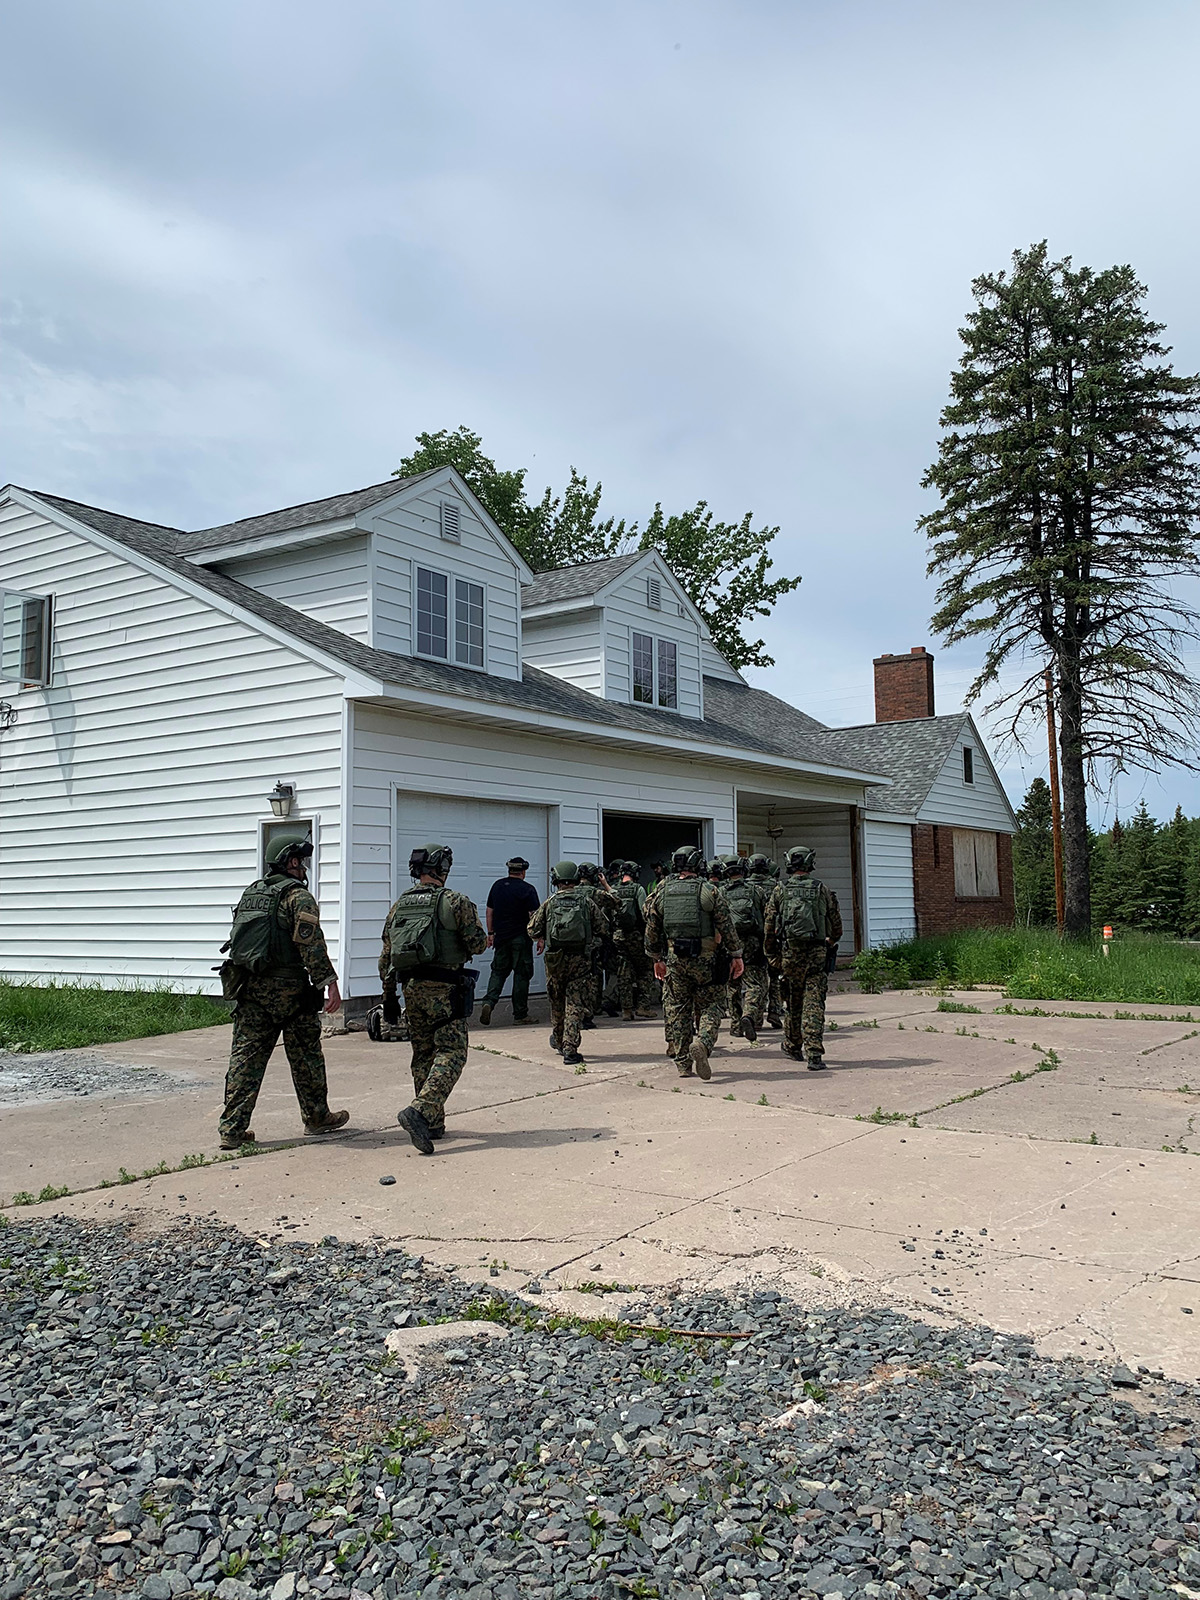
(1034, 964)
(956, 1005)
(876, 970)
(724, 567)
(1146, 876)
(67, 1016)
(1033, 857)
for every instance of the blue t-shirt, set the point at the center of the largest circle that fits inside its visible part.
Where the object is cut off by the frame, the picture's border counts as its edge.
(512, 902)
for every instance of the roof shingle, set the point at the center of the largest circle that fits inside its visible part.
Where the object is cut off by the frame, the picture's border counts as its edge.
(576, 583)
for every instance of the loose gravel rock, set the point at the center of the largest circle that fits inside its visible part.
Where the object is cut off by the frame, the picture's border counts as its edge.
(67, 1074)
(202, 1413)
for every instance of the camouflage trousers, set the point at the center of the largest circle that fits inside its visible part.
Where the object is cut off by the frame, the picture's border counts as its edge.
(439, 1047)
(570, 986)
(692, 1003)
(748, 994)
(806, 984)
(774, 997)
(266, 1010)
(515, 956)
(635, 974)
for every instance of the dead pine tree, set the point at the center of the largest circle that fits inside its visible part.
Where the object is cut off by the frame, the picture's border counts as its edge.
(1067, 475)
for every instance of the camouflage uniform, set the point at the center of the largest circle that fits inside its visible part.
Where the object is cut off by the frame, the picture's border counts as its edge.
(439, 1039)
(748, 994)
(804, 978)
(690, 996)
(635, 970)
(601, 938)
(281, 1002)
(570, 978)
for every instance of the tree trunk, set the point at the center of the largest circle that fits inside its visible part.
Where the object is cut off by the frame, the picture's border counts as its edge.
(1077, 921)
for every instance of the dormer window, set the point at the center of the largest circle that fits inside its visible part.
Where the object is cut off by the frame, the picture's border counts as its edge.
(434, 593)
(655, 671)
(24, 638)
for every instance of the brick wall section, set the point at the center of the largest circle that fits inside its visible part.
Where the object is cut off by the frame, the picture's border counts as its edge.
(938, 908)
(904, 686)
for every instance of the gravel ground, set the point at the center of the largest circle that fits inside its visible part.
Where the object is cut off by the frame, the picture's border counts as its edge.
(64, 1074)
(199, 1412)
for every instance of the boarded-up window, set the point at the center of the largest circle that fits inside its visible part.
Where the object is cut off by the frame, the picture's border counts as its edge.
(976, 874)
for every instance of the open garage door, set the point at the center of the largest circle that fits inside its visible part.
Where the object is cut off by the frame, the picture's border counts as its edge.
(483, 835)
(648, 839)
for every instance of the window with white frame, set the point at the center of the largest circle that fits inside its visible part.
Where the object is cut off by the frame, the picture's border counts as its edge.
(24, 638)
(450, 612)
(976, 869)
(655, 671)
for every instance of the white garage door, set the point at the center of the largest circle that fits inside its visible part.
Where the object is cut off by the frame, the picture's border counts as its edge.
(483, 835)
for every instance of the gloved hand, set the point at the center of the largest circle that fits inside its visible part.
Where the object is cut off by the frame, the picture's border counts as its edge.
(391, 1008)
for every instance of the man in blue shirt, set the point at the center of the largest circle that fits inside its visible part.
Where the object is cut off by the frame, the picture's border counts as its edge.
(510, 905)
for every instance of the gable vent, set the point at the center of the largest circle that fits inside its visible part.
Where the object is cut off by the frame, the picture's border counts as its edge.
(451, 528)
(654, 594)
(680, 609)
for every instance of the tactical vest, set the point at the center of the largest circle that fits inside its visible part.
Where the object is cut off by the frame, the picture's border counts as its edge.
(569, 922)
(422, 932)
(630, 918)
(687, 909)
(260, 940)
(746, 909)
(801, 918)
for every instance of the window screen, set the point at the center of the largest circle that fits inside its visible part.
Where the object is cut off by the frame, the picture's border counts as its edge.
(431, 613)
(668, 678)
(468, 623)
(643, 668)
(976, 871)
(24, 638)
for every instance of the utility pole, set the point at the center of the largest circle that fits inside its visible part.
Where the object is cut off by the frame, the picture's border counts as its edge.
(1055, 804)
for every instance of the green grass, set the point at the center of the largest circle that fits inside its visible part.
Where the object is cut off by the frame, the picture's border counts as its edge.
(1034, 964)
(65, 1016)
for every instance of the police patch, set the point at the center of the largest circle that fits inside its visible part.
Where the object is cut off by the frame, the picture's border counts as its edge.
(306, 927)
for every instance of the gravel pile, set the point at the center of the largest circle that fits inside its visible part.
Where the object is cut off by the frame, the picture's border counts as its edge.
(200, 1412)
(64, 1074)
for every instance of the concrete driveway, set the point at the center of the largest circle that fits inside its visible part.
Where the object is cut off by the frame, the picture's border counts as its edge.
(1035, 1172)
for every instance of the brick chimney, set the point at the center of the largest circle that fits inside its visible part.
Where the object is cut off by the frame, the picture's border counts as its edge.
(904, 686)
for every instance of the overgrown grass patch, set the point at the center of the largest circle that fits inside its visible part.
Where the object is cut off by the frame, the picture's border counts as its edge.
(1034, 964)
(67, 1016)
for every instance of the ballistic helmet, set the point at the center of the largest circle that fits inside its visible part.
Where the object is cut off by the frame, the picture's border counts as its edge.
(565, 872)
(759, 864)
(735, 866)
(289, 842)
(615, 869)
(589, 872)
(436, 859)
(631, 867)
(688, 858)
(517, 864)
(800, 859)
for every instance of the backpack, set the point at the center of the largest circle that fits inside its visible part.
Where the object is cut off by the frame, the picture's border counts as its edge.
(687, 909)
(257, 940)
(568, 923)
(423, 933)
(629, 919)
(802, 912)
(745, 906)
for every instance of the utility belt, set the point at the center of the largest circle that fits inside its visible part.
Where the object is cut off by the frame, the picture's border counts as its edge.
(462, 981)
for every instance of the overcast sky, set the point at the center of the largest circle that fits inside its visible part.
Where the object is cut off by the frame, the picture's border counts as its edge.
(697, 250)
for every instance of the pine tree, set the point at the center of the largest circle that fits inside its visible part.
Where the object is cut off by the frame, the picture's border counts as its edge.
(1033, 857)
(1069, 500)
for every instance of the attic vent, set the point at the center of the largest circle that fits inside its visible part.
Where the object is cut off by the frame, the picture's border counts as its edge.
(450, 520)
(654, 594)
(680, 609)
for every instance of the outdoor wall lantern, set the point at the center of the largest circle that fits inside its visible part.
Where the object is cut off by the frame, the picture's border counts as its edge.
(281, 797)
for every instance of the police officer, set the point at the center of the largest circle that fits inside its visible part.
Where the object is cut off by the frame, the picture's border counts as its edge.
(430, 934)
(278, 966)
(802, 924)
(565, 926)
(763, 874)
(686, 920)
(593, 885)
(510, 904)
(747, 902)
(635, 970)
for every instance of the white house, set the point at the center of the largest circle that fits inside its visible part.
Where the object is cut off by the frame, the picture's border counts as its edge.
(389, 655)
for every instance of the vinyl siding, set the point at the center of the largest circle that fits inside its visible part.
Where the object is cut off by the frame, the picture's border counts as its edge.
(133, 787)
(891, 913)
(967, 805)
(574, 781)
(626, 609)
(570, 646)
(409, 535)
(714, 665)
(327, 581)
(825, 829)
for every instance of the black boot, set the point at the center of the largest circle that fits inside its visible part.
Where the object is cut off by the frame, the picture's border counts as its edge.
(417, 1129)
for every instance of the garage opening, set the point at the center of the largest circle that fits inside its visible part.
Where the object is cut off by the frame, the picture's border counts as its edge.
(648, 839)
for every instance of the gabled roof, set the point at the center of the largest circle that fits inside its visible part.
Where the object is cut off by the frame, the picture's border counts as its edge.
(577, 583)
(743, 720)
(912, 753)
(331, 509)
